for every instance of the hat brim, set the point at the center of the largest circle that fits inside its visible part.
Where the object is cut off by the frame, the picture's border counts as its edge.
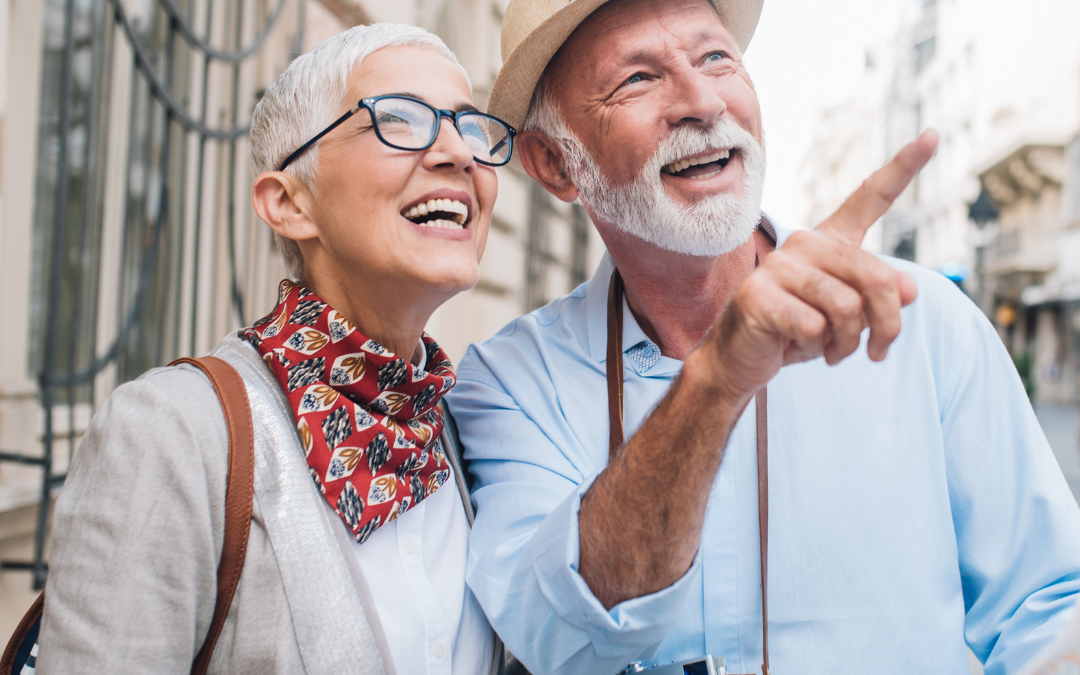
(513, 89)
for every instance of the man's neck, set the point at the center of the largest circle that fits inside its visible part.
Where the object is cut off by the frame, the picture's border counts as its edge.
(677, 298)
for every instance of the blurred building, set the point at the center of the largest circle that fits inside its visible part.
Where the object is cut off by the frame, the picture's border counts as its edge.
(840, 156)
(1029, 261)
(127, 235)
(992, 209)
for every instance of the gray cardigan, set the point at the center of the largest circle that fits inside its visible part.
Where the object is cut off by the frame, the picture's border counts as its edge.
(137, 535)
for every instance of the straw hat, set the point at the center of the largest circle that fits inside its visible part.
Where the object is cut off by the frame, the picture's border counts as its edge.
(533, 30)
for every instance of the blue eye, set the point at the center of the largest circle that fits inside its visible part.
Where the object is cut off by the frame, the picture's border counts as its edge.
(635, 78)
(716, 56)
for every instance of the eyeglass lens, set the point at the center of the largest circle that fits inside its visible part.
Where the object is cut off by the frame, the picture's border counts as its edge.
(412, 126)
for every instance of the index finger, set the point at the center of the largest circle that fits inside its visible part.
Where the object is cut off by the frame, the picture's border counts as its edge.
(880, 190)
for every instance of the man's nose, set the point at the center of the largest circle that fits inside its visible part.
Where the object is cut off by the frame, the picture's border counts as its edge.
(449, 148)
(695, 99)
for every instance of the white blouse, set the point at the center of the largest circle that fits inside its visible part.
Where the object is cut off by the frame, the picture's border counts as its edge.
(415, 567)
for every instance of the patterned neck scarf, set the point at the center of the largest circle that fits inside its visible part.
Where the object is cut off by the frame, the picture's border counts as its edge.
(368, 420)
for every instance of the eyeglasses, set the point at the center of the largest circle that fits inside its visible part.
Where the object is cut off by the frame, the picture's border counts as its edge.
(405, 123)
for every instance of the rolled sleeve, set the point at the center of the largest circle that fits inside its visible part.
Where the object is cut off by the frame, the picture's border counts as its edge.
(524, 547)
(554, 552)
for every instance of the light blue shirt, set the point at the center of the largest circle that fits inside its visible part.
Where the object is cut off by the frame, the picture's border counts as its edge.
(914, 504)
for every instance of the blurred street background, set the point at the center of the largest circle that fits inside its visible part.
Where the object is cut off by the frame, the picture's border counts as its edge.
(127, 238)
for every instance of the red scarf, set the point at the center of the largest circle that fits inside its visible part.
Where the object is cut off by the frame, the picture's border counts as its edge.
(368, 420)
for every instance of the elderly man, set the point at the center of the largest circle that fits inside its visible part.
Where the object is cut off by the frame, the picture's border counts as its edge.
(900, 506)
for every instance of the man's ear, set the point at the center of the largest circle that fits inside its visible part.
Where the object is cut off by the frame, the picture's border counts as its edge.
(282, 202)
(544, 161)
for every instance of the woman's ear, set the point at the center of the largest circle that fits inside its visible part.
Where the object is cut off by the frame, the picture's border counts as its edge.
(543, 160)
(283, 202)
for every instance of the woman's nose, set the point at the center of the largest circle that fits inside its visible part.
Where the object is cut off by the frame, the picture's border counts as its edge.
(449, 148)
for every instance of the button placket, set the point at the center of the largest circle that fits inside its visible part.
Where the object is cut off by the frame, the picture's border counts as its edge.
(411, 550)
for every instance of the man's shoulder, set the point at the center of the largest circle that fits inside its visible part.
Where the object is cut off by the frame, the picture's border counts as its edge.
(939, 299)
(943, 322)
(558, 328)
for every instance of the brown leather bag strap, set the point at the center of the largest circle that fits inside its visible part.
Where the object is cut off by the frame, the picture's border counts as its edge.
(616, 439)
(239, 492)
(22, 634)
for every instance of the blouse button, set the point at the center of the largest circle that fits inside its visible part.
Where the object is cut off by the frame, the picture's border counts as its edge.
(410, 546)
(439, 650)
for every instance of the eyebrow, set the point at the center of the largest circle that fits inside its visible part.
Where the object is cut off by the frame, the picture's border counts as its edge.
(460, 107)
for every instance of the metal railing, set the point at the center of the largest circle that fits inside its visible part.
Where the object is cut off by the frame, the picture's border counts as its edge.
(163, 136)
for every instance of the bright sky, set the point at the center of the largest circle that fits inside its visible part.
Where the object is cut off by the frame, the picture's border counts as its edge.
(805, 56)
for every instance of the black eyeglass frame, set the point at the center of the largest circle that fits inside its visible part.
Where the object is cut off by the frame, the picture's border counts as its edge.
(369, 105)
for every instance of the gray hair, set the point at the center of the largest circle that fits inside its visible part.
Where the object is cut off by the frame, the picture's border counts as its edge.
(545, 117)
(310, 94)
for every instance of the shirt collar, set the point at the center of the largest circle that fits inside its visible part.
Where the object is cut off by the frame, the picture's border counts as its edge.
(596, 298)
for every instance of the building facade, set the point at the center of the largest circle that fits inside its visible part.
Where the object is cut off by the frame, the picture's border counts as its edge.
(993, 209)
(127, 238)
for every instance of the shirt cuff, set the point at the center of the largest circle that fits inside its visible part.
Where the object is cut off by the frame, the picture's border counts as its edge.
(632, 626)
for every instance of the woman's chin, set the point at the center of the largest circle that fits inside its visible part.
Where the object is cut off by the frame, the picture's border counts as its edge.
(450, 281)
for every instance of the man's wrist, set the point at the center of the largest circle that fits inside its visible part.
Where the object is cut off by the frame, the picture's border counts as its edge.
(705, 375)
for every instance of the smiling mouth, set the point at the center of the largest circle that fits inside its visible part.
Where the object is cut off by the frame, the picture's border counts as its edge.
(700, 168)
(449, 214)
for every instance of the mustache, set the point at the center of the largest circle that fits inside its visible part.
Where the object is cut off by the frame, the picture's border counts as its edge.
(686, 141)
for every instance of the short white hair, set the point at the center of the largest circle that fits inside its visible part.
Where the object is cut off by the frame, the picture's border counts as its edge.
(544, 114)
(546, 117)
(310, 94)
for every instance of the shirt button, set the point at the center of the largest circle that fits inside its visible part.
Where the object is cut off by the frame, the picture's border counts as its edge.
(439, 650)
(410, 546)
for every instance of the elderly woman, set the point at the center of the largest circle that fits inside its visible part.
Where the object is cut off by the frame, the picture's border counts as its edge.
(376, 176)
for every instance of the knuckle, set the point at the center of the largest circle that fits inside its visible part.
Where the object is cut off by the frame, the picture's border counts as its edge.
(810, 327)
(885, 277)
(888, 328)
(848, 305)
(775, 259)
(750, 287)
(880, 274)
(891, 330)
(816, 284)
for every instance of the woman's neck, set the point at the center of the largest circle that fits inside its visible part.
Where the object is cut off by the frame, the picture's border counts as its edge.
(377, 312)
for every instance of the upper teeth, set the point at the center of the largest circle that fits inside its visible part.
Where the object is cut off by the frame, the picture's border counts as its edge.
(686, 163)
(460, 211)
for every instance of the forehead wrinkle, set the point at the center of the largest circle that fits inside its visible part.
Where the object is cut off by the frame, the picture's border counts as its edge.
(586, 45)
(652, 30)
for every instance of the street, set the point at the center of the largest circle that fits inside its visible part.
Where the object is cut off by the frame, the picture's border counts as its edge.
(1061, 424)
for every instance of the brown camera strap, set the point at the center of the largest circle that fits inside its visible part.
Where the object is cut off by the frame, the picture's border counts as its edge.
(617, 438)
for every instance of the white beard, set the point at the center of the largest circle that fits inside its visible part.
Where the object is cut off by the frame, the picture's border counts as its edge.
(713, 226)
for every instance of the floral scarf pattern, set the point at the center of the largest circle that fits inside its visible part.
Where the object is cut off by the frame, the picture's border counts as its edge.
(368, 420)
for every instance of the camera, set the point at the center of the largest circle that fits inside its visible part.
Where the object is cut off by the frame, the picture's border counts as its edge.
(701, 665)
